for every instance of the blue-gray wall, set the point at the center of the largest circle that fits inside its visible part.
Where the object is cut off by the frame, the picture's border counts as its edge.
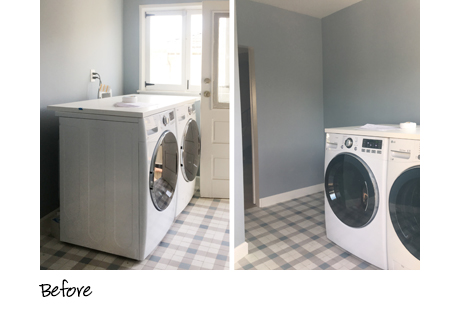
(75, 37)
(288, 70)
(371, 63)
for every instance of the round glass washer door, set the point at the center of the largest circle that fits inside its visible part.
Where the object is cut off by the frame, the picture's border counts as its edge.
(163, 171)
(404, 207)
(191, 151)
(351, 190)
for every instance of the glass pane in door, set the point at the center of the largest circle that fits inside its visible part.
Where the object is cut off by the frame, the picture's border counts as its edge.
(351, 190)
(222, 56)
(405, 209)
(191, 150)
(163, 171)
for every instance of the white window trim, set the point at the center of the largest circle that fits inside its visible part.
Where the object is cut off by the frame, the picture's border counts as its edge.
(143, 9)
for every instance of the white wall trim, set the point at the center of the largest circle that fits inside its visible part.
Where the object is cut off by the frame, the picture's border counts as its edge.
(241, 251)
(279, 198)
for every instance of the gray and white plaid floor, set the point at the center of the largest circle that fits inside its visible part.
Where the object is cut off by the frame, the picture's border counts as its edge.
(197, 240)
(292, 235)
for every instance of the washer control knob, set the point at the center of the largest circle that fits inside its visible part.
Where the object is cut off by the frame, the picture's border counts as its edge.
(349, 143)
(190, 110)
(165, 120)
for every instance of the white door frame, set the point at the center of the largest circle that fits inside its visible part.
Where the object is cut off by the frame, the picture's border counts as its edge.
(254, 134)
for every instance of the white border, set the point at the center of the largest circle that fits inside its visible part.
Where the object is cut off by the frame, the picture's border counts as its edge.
(241, 251)
(279, 198)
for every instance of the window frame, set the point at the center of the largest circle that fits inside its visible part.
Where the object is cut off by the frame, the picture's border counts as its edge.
(188, 10)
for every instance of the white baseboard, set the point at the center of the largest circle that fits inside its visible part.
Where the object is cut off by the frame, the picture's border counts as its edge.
(279, 198)
(241, 251)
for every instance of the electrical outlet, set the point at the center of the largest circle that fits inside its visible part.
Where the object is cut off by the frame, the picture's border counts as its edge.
(91, 75)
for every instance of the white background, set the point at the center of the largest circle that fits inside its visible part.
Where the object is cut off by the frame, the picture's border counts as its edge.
(434, 287)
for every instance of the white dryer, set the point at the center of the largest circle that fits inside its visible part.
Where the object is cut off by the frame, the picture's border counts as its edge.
(403, 214)
(190, 150)
(118, 173)
(355, 205)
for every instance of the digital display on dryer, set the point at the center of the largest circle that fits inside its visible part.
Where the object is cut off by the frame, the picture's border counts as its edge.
(171, 116)
(377, 144)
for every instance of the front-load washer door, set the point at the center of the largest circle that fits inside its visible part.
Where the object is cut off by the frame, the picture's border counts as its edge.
(351, 190)
(404, 207)
(163, 171)
(191, 150)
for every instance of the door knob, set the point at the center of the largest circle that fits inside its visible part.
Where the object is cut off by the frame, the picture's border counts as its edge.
(207, 94)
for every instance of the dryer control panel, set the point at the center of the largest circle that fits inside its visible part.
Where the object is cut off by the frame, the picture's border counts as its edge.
(367, 143)
(372, 146)
(360, 145)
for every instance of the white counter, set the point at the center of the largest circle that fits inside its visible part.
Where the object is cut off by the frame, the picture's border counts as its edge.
(394, 132)
(151, 104)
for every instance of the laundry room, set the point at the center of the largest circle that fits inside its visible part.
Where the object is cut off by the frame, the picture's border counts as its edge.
(310, 74)
(126, 159)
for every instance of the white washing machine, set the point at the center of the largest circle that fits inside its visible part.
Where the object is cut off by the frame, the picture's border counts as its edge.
(355, 188)
(403, 214)
(118, 173)
(190, 150)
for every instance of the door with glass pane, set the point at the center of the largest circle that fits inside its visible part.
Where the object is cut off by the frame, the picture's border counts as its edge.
(404, 207)
(215, 132)
(191, 150)
(163, 171)
(351, 190)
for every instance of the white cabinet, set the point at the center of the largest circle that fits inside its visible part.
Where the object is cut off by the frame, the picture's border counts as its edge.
(99, 181)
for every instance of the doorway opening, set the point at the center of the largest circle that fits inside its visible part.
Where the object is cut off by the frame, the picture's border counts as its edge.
(249, 126)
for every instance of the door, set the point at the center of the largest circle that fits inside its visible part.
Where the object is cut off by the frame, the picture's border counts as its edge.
(191, 150)
(163, 171)
(404, 207)
(351, 190)
(215, 94)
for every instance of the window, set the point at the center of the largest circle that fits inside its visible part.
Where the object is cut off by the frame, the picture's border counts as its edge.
(170, 45)
(221, 54)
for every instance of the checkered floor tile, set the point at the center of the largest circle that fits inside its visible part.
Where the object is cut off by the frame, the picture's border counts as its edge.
(197, 240)
(292, 236)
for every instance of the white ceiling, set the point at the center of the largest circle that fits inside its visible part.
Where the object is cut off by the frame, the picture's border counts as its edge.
(315, 8)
